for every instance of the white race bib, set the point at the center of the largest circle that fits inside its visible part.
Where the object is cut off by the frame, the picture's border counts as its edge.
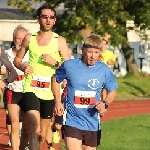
(41, 82)
(84, 99)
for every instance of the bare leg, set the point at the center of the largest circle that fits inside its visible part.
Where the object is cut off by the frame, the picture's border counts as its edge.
(8, 126)
(45, 123)
(34, 117)
(25, 131)
(85, 147)
(13, 110)
(49, 133)
(73, 143)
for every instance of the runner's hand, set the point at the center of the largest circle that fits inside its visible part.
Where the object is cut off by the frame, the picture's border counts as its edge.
(59, 109)
(28, 70)
(25, 64)
(100, 106)
(48, 59)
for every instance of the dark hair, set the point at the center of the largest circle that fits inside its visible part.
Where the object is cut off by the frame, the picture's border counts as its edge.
(105, 41)
(39, 11)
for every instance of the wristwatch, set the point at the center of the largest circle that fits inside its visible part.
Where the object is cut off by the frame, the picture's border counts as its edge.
(106, 104)
(57, 64)
(6, 81)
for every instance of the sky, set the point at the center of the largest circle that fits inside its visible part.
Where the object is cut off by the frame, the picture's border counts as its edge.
(3, 4)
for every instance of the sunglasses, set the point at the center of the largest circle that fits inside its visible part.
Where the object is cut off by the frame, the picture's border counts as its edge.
(46, 17)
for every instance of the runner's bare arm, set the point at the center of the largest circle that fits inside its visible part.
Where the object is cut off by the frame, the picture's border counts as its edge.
(63, 48)
(111, 96)
(56, 92)
(4, 59)
(109, 99)
(55, 89)
(21, 53)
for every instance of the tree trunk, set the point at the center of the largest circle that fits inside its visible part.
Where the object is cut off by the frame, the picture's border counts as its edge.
(131, 65)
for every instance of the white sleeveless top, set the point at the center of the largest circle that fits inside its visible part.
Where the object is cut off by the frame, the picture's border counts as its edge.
(16, 86)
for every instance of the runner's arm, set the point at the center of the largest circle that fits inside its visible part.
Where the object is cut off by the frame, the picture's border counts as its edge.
(21, 53)
(63, 48)
(110, 96)
(12, 73)
(59, 109)
(103, 104)
(56, 89)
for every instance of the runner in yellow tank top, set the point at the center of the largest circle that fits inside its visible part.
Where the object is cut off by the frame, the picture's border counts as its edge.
(109, 59)
(38, 101)
(107, 56)
(39, 82)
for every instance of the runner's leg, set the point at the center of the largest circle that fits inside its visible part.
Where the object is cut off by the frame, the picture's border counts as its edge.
(44, 124)
(13, 110)
(73, 143)
(25, 131)
(34, 117)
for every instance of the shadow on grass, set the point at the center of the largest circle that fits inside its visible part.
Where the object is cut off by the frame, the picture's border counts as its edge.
(147, 127)
(137, 88)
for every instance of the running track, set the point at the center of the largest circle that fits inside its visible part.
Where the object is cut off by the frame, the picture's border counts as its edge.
(117, 109)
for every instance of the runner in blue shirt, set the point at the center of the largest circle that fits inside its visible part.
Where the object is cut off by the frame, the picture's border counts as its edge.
(85, 79)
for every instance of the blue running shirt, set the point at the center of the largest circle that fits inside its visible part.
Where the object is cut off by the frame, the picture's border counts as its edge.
(84, 84)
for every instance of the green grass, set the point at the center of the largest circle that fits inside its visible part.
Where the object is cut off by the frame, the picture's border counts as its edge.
(131, 87)
(129, 133)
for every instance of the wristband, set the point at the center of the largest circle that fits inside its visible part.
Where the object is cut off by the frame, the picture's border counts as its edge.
(106, 104)
(56, 64)
(6, 81)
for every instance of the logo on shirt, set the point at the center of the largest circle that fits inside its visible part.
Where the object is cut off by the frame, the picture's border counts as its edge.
(93, 84)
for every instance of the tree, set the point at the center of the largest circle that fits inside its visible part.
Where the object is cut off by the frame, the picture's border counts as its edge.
(105, 17)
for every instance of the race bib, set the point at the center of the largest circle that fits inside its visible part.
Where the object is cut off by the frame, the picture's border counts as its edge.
(41, 82)
(84, 99)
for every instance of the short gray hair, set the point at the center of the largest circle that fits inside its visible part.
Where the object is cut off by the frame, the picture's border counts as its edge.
(19, 27)
(93, 39)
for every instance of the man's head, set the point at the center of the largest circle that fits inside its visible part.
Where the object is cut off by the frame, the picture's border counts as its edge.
(91, 49)
(18, 35)
(104, 45)
(46, 16)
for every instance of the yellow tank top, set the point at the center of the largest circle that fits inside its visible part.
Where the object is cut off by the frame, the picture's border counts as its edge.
(39, 82)
(106, 56)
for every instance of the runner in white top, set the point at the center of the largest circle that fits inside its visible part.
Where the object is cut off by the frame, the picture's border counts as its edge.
(12, 73)
(13, 92)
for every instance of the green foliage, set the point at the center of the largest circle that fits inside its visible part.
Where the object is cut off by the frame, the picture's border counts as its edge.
(102, 16)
